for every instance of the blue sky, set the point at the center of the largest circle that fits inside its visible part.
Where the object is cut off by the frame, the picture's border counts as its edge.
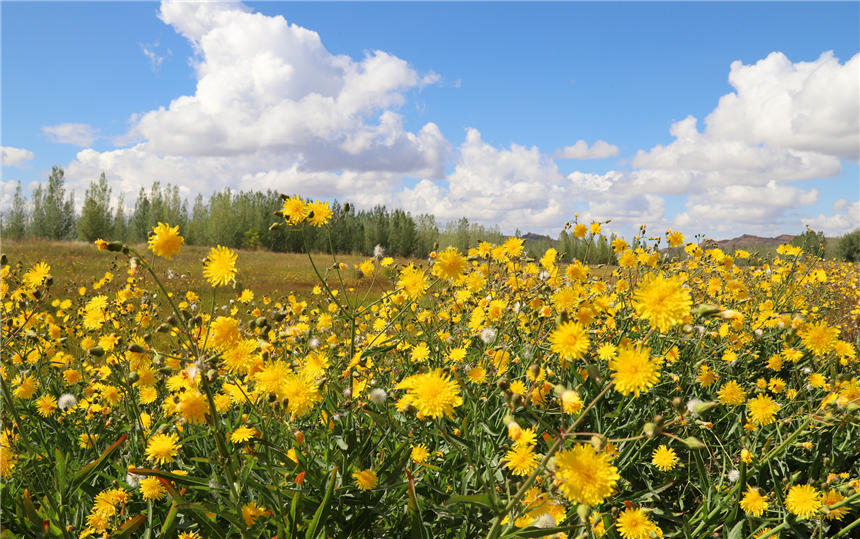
(461, 108)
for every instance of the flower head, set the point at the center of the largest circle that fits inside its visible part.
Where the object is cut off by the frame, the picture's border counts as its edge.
(803, 501)
(165, 241)
(585, 476)
(569, 341)
(633, 523)
(753, 502)
(450, 264)
(762, 410)
(433, 394)
(664, 458)
(663, 302)
(521, 460)
(220, 266)
(162, 448)
(634, 370)
(365, 479)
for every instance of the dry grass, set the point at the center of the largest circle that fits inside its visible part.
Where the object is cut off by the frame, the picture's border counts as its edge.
(77, 264)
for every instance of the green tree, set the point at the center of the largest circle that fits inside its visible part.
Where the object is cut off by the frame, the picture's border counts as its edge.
(53, 212)
(848, 248)
(811, 242)
(96, 219)
(15, 220)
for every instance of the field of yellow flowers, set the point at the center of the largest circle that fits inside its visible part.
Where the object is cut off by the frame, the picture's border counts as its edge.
(483, 394)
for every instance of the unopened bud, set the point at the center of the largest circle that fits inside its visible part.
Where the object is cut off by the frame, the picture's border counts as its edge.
(114, 246)
(96, 351)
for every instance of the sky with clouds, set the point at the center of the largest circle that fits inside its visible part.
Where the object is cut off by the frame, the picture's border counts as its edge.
(721, 119)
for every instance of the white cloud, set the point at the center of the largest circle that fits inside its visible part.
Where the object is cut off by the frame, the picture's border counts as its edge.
(518, 187)
(150, 50)
(272, 107)
(846, 218)
(15, 157)
(70, 133)
(580, 150)
(810, 106)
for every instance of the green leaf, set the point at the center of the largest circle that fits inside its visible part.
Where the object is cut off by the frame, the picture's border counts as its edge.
(90, 469)
(130, 526)
(311, 533)
(737, 531)
(168, 529)
(480, 499)
(539, 532)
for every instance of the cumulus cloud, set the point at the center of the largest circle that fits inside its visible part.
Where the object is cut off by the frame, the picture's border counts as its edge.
(846, 217)
(70, 133)
(580, 150)
(511, 187)
(272, 104)
(15, 157)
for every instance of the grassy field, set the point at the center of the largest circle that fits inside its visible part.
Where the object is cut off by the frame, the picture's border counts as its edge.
(77, 264)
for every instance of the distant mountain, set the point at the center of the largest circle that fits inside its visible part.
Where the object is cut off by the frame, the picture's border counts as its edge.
(533, 236)
(748, 241)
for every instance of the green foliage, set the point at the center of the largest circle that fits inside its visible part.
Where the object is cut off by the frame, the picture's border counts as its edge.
(811, 242)
(848, 248)
(15, 219)
(96, 220)
(53, 213)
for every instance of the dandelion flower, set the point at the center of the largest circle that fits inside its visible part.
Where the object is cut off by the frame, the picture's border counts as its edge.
(365, 479)
(162, 448)
(521, 460)
(433, 394)
(46, 404)
(819, 338)
(585, 476)
(663, 302)
(165, 241)
(634, 370)
(732, 394)
(633, 523)
(664, 458)
(321, 213)
(220, 266)
(762, 410)
(413, 281)
(36, 275)
(251, 512)
(754, 503)
(295, 210)
(571, 403)
(193, 406)
(419, 453)
(152, 489)
(832, 497)
(301, 394)
(569, 341)
(224, 331)
(803, 501)
(450, 264)
(242, 434)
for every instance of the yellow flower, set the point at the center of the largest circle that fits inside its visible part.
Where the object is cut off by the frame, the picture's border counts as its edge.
(803, 501)
(521, 460)
(321, 213)
(819, 338)
(569, 341)
(151, 488)
(412, 281)
(36, 275)
(242, 434)
(419, 453)
(251, 512)
(585, 476)
(580, 230)
(732, 394)
(753, 502)
(193, 406)
(365, 479)
(433, 394)
(165, 241)
(295, 210)
(46, 404)
(220, 266)
(663, 302)
(664, 458)
(762, 409)
(161, 448)
(634, 370)
(224, 331)
(450, 264)
(26, 387)
(571, 403)
(832, 497)
(633, 523)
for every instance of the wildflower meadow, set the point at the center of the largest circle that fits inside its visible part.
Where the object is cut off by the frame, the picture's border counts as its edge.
(686, 392)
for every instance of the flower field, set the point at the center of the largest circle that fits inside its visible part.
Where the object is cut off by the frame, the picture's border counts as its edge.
(481, 394)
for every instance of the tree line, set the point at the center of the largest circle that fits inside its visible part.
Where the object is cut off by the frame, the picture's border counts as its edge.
(242, 219)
